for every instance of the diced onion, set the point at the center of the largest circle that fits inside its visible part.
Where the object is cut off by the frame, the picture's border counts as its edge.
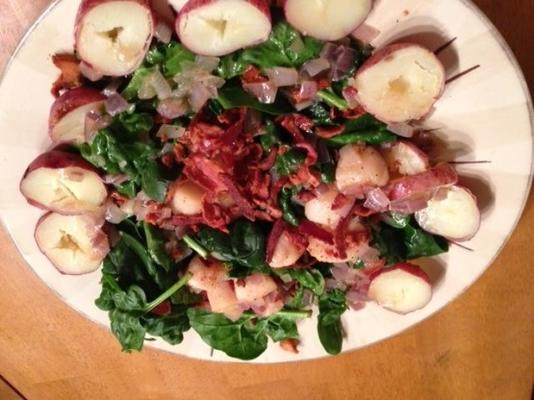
(265, 92)
(316, 66)
(402, 129)
(281, 76)
(365, 33)
(163, 32)
(116, 104)
(172, 107)
(170, 131)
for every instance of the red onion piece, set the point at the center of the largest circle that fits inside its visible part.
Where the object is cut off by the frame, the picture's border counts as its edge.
(328, 51)
(200, 94)
(265, 92)
(115, 179)
(112, 87)
(377, 200)
(170, 131)
(163, 32)
(283, 76)
(303, 104)
(116, 104)
(316, 66)
(401, 129)
(172, 107)
(155, 84)
(365, 33)
(345, 57)
(207, 63)
(411, 205)
(94, 121)
(114, 214)
(89, 72)
(308, 90)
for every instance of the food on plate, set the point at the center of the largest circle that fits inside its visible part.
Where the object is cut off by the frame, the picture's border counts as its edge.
(242, 170)
(400, 82)
(113, 36)
(63, 182)
(74, 244)
(327, 19)
(403, 288)
(219, 27)
(70, 112)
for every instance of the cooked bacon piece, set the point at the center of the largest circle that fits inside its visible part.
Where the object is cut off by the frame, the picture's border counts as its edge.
(253, 75)
(327, 132)
(308, 228)
(70, 77)
(290, 345)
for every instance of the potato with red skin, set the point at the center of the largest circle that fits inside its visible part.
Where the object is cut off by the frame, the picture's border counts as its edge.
(403, 288)
(63, 182)
(327, 20)
(452, 212)
(66, 123)
(113, 36)
(425, 182)
(219, 27)
(405, 158)
(400, 82)
(360, 167)
(74, 244)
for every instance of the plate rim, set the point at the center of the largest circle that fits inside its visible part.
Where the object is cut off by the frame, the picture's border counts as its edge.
(503, 44)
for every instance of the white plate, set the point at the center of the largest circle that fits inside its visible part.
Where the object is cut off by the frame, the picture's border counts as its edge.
(486, 115)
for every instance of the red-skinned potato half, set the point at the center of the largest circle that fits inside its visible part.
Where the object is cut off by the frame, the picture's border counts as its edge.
(113, 36)
(402, 288)
(452, 212)
(63, 182)
(66, 123)
(74, 244)
(400, 83)
(219, 27)
(327, 19)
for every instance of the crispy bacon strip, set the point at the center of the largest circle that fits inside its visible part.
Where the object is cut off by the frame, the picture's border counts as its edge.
(70, 77)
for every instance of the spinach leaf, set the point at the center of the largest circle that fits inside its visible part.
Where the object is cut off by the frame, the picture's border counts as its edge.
(247, 337)
(243, 339)
(284, 48)
(327, 171)
(369, 137)
(130, 91)
(231, 65)
(170, 327)
(233, 96)
(331, 306)
(396, 220)
(270, 137)
(289, 162)
(132, 124)
(174, 55)
(243, 248)
(184, 296)
(311, 279)
(320, 115)
(331, 98)
(407, 243)
(291, 211)
(127, 329)
(155, 240)
(116, 152)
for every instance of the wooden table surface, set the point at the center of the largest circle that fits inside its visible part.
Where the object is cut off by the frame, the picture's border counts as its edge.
(479, 347)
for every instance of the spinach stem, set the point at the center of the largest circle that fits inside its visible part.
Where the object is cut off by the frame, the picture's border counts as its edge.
(193, 244)
(332, 99)
(168, 293)
(301, 314)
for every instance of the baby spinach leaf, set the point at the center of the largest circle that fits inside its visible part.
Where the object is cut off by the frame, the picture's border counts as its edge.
(243, 339)
(170, 327)
(331, 306)
(311, 279)
(155, 240)
(327, 171)
(231, 65)
(270, 137)
(127, 329)
(284, 48)
(289, 162)
(291, 211)
(368, 137)
(282, 328)
(130, 91)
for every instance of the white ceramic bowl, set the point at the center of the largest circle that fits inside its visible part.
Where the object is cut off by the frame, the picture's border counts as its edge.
(486, 115)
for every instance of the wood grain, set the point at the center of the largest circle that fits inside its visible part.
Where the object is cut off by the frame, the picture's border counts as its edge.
(479, 347)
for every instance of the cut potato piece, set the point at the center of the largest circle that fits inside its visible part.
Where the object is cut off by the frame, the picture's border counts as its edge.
(403, 288)
(187, 198)
(405, 158)
(66, 123)
(219, 27)
(64, 183)
(113, 36)
(358, 168)
(286, 252)
(452, 212)
(327, 19)
(319, 209)
(75, 244)
(400, 82)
